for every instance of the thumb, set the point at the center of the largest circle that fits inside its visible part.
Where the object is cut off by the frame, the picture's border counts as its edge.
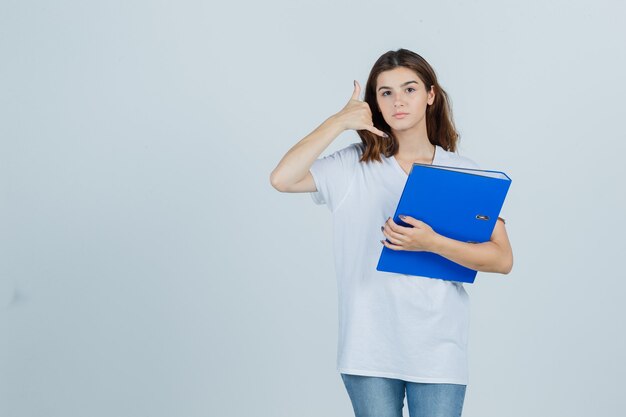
(356, 92)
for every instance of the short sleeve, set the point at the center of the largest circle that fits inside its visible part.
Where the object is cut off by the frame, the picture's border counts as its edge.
(333, 175)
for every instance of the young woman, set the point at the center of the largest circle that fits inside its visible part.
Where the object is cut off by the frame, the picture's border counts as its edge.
(397, 333)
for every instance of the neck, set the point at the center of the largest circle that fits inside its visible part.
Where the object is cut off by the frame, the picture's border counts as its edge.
(414, 145)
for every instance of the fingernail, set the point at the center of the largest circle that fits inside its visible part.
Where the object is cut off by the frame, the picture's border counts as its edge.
(382, 228)
(382, 241)
(402, 216)
(385, 135)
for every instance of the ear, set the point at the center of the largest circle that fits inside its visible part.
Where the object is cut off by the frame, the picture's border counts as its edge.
(431, 95)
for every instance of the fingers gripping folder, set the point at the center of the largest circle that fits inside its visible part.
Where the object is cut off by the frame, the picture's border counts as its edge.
(459, 203)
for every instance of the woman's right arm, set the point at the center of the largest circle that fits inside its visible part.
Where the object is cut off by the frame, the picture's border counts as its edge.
(292, 173)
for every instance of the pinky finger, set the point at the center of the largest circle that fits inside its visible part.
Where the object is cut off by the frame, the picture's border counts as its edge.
(390, 245)
(378, 132)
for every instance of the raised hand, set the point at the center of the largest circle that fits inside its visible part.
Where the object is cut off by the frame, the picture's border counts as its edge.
(357, 114)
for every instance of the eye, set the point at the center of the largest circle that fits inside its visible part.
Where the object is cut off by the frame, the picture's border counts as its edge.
(384, 93)
(411, 88)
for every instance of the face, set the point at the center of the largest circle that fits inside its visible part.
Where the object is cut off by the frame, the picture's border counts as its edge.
(400, 90)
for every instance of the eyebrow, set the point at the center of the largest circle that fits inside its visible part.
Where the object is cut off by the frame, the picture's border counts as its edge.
(401, 85)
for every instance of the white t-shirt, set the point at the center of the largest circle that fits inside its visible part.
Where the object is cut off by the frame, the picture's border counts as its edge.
(390, 325)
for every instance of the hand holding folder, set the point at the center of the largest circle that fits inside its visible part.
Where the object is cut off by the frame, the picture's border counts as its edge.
(459, 203)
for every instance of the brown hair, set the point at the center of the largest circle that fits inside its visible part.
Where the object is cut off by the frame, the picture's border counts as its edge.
(439, 123)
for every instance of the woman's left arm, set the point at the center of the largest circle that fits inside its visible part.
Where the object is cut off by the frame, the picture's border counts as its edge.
(495, 255)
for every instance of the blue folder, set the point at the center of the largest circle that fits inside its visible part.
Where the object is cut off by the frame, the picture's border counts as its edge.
(459, 203)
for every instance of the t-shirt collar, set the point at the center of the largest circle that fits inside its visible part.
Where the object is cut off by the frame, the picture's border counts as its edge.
(440, 155)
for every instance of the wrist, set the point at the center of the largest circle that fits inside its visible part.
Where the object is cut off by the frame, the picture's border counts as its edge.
(333, 122)
(438, 243)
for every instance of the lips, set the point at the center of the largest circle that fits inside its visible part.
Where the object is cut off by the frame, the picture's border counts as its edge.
(400, 114)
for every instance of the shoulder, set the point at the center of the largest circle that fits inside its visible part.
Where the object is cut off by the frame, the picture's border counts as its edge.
(455, 159)
(352, 152)
(342, 160)
(355, 149)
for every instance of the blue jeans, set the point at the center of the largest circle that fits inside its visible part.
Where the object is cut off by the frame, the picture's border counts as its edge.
(384, 397)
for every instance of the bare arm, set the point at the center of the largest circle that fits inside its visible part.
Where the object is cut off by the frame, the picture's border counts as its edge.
(292, 172)
(495, 255)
